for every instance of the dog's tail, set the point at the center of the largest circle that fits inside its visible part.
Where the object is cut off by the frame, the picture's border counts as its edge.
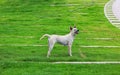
(44, 36)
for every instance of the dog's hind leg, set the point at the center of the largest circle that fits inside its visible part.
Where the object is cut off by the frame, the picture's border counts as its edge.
(50, 45)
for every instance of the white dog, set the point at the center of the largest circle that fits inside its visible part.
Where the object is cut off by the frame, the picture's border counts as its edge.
(64, 40)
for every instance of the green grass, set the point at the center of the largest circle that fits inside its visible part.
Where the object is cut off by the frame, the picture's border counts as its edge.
(37, 17)
(58, 69)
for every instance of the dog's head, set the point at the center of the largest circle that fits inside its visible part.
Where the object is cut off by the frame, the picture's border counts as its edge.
(74, 30)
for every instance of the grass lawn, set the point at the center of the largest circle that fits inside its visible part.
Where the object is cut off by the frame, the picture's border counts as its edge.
(58, 69)
(23, 22)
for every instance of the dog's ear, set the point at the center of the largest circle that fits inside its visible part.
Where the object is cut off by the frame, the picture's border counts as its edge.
(71, 28)
(74, 26)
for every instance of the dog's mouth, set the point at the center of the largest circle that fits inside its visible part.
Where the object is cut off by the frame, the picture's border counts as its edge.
(76, 32)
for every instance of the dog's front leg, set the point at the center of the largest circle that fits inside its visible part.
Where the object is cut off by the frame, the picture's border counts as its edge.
(69, 49)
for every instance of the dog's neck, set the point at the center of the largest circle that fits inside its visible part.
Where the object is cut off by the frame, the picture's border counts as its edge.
(72, 34)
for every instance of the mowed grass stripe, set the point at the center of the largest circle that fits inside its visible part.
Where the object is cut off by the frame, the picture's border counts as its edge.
(59, 53)
(58, 69)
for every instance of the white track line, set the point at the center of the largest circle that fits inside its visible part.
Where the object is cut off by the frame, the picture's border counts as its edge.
(105, 62)
(17, 36)
(88, 62)
(65, 5)
(68, 4)
(22, 45)
(108, 11)
(100, 46)
(75, 38)
(116, 9)
(39, 45)
(98, 38)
